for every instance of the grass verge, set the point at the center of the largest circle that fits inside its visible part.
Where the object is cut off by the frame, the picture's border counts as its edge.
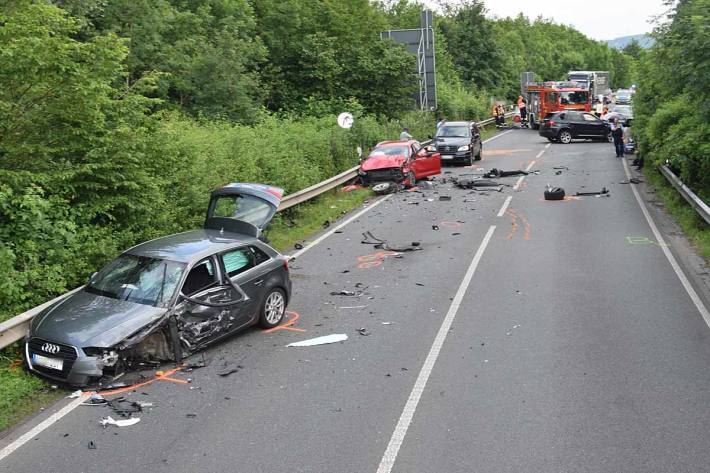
(21, 393)
(297, 223)
(694, 227)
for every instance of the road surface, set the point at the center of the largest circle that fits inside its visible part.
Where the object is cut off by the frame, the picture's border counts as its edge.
(525, 336)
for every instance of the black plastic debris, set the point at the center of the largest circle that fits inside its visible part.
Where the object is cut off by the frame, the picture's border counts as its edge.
(343, 293)
(445, 197)
(229, 369)
(498, 173)
(370, 239)
(92, 445)
(554, 193)
(363, 331)
(435, 227)
(425, 185)
(633, 180)
(604, 191)
(560, 167)
(419, 284)
(124, 407)
(191, 415)
(326, 224)
(298, 246)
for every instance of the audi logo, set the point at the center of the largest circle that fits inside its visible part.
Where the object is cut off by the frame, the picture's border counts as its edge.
(51, 348)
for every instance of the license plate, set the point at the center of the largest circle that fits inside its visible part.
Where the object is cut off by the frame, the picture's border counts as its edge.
(53, 363)
(446, 156)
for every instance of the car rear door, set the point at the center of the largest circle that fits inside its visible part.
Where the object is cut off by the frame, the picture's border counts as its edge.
(423, 163)
(575, 123)
(248, 267)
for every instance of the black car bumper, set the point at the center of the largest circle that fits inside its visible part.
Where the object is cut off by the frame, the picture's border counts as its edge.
(548, 132)
(456, 158)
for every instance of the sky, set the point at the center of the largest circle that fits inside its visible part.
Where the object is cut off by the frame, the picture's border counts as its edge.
(598, 19)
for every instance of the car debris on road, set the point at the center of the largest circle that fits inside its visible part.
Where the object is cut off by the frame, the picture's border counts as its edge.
(324, 340)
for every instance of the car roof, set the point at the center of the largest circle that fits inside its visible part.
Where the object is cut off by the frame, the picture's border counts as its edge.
(459, 123)
(190, 246)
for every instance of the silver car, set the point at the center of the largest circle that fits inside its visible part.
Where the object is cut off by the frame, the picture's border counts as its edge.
(167, 298)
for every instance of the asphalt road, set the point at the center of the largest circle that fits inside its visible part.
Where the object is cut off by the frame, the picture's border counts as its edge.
(574, 347)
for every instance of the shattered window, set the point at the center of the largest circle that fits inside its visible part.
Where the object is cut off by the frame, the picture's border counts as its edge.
(138, 279)
(237, 261)
(243, 207)
(259, 256)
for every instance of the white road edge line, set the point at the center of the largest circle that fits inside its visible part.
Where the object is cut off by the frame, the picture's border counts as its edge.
(669, 256)
(338, 227)
(505, 206)
(496, 136)
(41, 426)
(390, 455)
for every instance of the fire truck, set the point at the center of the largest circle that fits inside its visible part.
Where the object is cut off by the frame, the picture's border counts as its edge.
(547, 97)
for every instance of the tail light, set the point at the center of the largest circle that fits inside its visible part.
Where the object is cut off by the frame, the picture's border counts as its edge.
(552, 123)
(286, 264)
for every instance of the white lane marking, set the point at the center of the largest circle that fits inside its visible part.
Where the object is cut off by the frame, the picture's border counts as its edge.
(41, 426)
(338, 227)
(542, 151)
(390, 455)
(517, 184)
(671, 259)
(505, 206)
(496, 136)
(532, 163)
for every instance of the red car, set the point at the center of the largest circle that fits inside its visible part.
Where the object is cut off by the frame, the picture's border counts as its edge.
(402, 162)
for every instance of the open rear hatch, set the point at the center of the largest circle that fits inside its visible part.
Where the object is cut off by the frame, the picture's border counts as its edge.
(243, 208)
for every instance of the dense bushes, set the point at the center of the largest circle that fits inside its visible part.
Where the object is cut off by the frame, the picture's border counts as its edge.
(673, 103)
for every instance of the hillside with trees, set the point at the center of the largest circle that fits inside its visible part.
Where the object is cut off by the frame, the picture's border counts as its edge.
(118, 117)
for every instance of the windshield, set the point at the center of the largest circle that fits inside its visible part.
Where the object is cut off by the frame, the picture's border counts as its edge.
(573, 98)
(390, 151)
(139, 279)
(460, 131)
(243, 207)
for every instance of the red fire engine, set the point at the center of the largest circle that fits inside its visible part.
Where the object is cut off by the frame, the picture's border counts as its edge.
(547, 97)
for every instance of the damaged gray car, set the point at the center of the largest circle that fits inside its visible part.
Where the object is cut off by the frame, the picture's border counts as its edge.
(167, 298)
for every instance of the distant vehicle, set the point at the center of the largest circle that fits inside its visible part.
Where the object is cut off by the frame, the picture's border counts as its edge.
(622, 97)
(459, 142)
(597, 82)
(567, 125)
(169, 297)
(624, 113)
(401, 162)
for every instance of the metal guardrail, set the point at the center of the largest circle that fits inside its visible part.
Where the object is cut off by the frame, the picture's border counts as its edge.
(16, 328)
(701, 207)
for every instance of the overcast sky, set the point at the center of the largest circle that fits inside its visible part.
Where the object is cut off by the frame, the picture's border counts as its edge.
(598, 19)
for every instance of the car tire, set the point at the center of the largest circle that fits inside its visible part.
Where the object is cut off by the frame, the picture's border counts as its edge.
(273, 308)
(479, 156)
(564, 137)
(382, 188)
(555, 193)
(411, 179)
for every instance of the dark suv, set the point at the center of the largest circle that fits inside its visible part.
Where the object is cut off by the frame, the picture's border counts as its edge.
(565, 125)
(458, 142)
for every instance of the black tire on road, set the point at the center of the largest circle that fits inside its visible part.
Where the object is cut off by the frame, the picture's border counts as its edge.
(273, 308)
(382, 188)
(564, 136)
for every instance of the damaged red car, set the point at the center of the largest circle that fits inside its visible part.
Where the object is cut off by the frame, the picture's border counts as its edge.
(399, 162)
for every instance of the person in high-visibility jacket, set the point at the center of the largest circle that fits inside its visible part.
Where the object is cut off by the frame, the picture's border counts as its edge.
(496, 114)
(523, 110)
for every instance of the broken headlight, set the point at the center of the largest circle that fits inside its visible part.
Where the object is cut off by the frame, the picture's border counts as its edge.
(106, 357)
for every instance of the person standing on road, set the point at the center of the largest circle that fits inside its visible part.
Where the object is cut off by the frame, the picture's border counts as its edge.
(523, 111)
(617, 132)
(405, 136)
(501, 115)
(496, 116)
(442, 120)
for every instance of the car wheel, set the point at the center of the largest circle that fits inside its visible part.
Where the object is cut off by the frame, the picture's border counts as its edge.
(412, 179)
(610, 137)
(382, 188)
(564, 136)
(273, 308)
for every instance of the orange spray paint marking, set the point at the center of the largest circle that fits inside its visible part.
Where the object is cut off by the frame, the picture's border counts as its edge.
(450, 224)
(373, 260)
(514, 217)
(162, 376)
(294, 316)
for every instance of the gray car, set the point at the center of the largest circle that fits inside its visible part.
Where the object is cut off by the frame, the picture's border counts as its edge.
(169, 297)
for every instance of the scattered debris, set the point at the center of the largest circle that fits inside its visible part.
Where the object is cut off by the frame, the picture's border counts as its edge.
(75, 394)
(124, 407)
(604, 191)
(370, 239)
(425, 185)
(92, 445)
(191, 415)
(560, 167)
(326, 224)
(324, 340)
(298, 246)
(229, 369)
(445, 197)
(554, 193)
(633, 180)
(119, 423)
(95, 400)
(363, 331)
(343, 293)
(435, 227)
(498, 173)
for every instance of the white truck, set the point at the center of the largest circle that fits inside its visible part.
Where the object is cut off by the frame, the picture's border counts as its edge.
(596, 81)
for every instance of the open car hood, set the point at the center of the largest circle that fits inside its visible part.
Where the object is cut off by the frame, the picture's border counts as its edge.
(244, 208)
